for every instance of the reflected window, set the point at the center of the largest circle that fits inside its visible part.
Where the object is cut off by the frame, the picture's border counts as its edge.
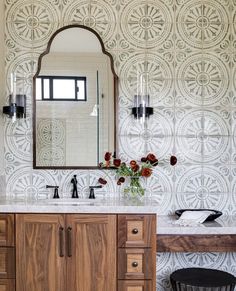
(61, 88)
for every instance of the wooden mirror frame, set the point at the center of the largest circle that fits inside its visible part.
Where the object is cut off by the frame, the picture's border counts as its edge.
(115, 82)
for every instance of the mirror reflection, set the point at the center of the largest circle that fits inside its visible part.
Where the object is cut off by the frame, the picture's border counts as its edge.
(74, 91)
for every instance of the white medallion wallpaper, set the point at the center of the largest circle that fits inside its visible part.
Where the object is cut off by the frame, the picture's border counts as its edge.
(189, 49)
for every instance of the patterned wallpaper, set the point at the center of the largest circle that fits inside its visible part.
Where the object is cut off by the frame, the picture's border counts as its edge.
(189, 49)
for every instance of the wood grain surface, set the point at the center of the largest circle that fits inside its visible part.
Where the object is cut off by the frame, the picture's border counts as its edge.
(196, 243)
(38, 264)
(7, 236)
(92, 264)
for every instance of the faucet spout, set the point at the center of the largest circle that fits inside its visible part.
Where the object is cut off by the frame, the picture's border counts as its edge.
(74, 190)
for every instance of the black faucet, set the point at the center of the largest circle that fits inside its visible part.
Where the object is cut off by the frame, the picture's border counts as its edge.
(56, 195)
(91, 193)
(75, 190)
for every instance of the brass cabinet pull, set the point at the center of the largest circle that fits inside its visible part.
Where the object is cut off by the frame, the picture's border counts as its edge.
(135, 231)
(61, 242)
(69, 241)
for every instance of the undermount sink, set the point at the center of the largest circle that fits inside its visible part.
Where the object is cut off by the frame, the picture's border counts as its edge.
(73, 201)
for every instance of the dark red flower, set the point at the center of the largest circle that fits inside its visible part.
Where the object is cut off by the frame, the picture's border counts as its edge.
(135, 168)
(151, 157)
(173, 160)
(133, 163)
(117, 162)
(102, 181)
(146, 172)
(107, 156)
(154, 162)
(118, 183)
(143, 160)
(121, 179)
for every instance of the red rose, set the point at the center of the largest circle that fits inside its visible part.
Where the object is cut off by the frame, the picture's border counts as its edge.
(102, 181)
(133, 163)
(107, 156)
(173, 160)
(146, 172)
(117, 162)
(135, 168)
(121, 179)
(151, 157)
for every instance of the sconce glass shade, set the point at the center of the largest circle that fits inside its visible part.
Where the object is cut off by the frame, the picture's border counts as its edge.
(141, 108)
(17, 100)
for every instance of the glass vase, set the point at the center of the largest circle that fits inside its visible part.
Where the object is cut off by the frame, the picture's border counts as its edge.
(134, 189)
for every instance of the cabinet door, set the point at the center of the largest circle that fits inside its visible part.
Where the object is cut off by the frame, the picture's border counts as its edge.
(40, 259)
(7, 263)
(91, 251)
(7, 285)
(132, 285)
(136, 231)
(7, 230)
(136, 264)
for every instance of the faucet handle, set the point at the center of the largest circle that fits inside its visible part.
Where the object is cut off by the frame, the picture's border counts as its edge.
(95, 187)
(56, 195)
(91, 193)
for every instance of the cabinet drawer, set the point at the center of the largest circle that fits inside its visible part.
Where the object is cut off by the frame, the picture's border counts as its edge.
(7, 285)
(132, 285)
(7, 263)
(7, 237)
(136, 230)
(135, 264)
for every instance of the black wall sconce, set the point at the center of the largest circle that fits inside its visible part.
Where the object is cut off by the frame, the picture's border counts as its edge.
(16, 108)
(17, 102)
(141, 108)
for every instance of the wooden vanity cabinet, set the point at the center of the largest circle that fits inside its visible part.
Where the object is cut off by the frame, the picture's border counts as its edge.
(7, 252)
(65, 252)
(136, 252)
(85, 252)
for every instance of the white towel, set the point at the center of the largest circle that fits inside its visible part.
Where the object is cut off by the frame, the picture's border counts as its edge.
(193, 218)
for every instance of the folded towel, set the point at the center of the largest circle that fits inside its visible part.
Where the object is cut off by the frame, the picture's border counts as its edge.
(193, 218)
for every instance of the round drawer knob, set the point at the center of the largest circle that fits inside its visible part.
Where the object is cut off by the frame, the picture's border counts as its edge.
(134, 264)
(135, 231)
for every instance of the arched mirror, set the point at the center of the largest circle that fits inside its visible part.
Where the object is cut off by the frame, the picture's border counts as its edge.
(75, 90)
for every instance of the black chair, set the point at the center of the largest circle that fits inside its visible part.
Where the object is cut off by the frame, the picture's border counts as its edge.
(202, 279)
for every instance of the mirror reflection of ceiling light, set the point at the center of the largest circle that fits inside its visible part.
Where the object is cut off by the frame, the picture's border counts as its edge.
(95, 110)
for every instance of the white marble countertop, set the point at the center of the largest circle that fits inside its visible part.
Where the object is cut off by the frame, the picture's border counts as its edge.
(78, 206)
(222, 225)
(165, 225)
